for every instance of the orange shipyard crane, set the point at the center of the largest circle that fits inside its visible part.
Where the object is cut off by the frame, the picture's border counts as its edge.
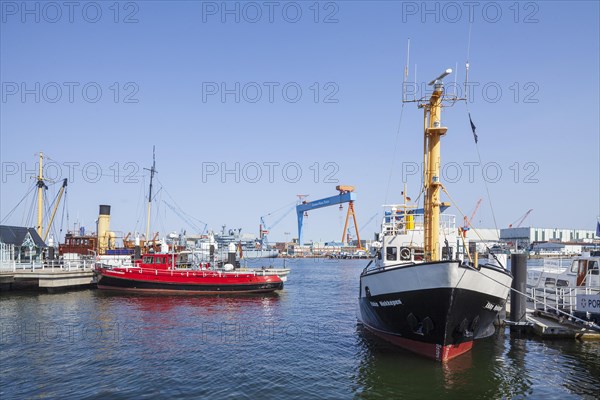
(466, 226)
(520, 220)
(467, 221)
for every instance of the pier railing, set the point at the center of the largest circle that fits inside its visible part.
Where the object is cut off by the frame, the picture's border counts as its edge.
(564, 299)
(396, 225)
(36, 265)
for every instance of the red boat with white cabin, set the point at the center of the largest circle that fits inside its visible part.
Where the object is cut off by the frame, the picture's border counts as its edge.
(162, 273)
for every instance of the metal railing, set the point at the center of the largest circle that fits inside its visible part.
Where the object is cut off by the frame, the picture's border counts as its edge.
(204, 273)
(565, 299)
(415, 222)
(37, 265)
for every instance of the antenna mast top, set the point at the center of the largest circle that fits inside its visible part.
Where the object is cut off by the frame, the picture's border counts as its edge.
(438, 80)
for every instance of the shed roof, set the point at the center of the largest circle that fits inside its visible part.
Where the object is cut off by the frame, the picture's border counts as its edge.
(17, 235)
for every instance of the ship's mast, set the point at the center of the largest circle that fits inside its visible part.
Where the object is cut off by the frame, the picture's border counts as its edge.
(431, 173)
(152, 172)
(40, 197)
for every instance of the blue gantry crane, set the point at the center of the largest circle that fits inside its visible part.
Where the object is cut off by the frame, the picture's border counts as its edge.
(346, 195)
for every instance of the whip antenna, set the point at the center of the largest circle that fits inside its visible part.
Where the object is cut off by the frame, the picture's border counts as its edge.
(467, 63)
(416, 84)
(406, 70)
(455, 85)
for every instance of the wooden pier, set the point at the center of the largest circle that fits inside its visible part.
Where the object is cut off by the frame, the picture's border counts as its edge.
(51, 279)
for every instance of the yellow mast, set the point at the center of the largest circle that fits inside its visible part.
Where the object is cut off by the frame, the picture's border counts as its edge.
(40, 197)
(431, 178)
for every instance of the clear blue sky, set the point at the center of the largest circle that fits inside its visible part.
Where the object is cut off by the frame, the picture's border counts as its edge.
(174, 58)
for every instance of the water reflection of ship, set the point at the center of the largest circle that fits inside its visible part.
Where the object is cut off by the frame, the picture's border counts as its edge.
(386, 370)
(195, 306)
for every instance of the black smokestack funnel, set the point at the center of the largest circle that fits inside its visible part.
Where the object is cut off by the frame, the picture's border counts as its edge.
(104, 210)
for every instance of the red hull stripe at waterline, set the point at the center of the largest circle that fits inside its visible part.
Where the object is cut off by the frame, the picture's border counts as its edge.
(434, 351)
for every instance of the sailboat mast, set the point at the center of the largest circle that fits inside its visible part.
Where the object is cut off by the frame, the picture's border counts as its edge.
(152, 171)
(40, 197)
(433, 133)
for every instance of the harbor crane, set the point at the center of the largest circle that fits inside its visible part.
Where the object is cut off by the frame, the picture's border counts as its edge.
(520, 220)
(346, 195)
(264, 230)
(467, 221)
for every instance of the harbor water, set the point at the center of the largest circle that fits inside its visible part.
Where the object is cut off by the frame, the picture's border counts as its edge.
(299, 344)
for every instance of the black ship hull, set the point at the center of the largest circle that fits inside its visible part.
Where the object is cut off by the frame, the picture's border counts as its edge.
(433, 309)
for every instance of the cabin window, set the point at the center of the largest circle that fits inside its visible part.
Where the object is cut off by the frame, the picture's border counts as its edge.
(593, 267)
(447, 253)
(550, 282)
(391, 253)
(574, 267)
(148, 260)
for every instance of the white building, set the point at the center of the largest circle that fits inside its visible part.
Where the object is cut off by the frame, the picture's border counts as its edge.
(482, 239)
(557, 248)
(524, 237)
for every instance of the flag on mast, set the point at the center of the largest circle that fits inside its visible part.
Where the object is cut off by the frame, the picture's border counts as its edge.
(473, 128)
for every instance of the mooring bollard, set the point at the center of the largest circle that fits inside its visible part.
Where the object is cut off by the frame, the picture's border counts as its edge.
(518, 302)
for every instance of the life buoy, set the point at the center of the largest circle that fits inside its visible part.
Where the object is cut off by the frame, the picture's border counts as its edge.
(405, 253)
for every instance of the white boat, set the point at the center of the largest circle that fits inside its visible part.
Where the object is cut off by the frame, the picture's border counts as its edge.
(580, 271)
(567, 287)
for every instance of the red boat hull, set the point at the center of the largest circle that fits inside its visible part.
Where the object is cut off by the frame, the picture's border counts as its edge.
(433, 351)
(181, 281)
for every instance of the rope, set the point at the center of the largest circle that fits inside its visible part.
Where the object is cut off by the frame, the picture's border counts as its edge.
(18, 204)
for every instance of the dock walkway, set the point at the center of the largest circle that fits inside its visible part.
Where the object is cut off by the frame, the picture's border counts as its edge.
(51, 276)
